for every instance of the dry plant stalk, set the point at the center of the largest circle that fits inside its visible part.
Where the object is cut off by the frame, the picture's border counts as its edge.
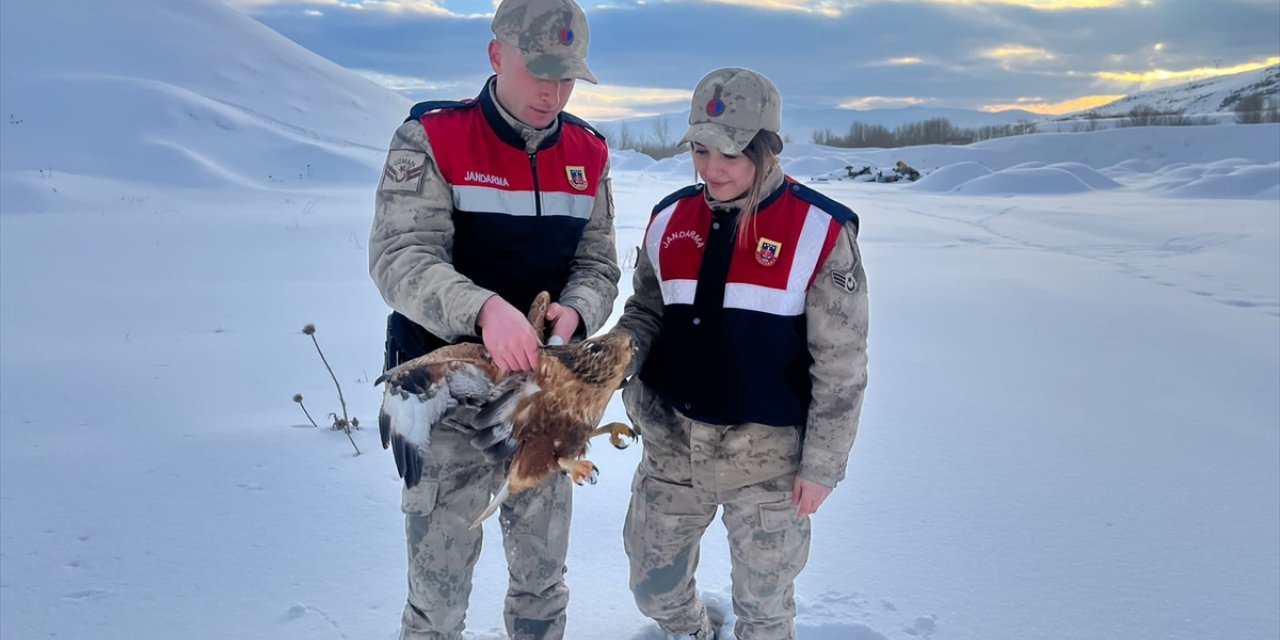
(344, 422)
(297, 397)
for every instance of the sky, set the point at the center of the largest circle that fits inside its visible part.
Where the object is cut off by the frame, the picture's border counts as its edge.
(1071, 429)
(1047, 56)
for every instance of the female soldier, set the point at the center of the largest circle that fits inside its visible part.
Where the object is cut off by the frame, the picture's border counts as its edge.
(750, 314)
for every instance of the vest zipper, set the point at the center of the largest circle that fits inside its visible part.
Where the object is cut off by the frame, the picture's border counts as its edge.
(537, 192)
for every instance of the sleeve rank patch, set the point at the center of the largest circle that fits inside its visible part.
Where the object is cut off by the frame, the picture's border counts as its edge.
(845, 280)
(403, 171)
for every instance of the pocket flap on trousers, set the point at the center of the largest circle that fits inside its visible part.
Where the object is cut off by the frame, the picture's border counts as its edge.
(777, 516)
(420, 500)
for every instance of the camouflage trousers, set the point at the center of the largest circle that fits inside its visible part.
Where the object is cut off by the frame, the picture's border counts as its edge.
(689, 470)
(457, 483)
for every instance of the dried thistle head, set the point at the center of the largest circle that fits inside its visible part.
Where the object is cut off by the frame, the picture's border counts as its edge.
(297, 397)
(308, 329)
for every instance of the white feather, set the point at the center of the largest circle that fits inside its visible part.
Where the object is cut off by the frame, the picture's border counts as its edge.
(412, 416)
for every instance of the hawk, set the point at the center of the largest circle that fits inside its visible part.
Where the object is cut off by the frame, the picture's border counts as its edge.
(541, 420)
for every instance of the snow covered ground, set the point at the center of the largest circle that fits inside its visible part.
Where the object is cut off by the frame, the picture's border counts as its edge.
(1072, 429)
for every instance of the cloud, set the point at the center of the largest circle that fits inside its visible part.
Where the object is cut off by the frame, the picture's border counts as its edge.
(1016, 51)
(611, 102)
(838, 7)
(1042, 5)
(882, 102)
(410, 85)
(1162, 77)
(823, 7)
(981, 53)
(1013, 55)
(425, 7)
(1040, 105)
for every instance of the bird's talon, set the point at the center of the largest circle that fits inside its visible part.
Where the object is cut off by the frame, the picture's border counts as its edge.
(618, 442)
(617, 431)
(581, 471)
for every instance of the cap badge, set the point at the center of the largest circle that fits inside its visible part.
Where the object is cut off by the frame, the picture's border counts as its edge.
(767, 251)
(566, 36)
(716, 106)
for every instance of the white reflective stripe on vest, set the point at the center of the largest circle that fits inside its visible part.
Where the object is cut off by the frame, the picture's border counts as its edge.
(740, 295)
(653, 241)
(521, 203)
(789, 301)
(808, 249)
(753, 297)
(678, 291)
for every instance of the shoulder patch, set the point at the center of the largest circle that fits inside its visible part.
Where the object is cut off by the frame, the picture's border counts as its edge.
(691, 190)
(836, 210)
(423, 108)
(565, 116)
(403, 171)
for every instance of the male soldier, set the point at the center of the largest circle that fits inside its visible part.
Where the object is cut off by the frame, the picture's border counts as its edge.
(482, 204)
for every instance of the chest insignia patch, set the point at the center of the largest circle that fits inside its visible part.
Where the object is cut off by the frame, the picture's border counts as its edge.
(767, 251)
(577, 177)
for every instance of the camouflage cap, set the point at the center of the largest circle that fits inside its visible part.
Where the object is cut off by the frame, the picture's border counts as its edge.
(552, 35)
(730, 106)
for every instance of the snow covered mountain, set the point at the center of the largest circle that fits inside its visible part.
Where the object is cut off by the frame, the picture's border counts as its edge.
(799, 123)
(189, 93)
(1200, 97)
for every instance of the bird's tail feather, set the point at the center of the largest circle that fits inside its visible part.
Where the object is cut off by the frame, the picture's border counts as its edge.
(493, 506)
(494, 422)
(496, 442)
(384, 428)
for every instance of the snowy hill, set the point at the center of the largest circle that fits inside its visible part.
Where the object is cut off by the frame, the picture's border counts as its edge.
(1226, 161)
(1215, 95)
(189, 93)
(799, 123)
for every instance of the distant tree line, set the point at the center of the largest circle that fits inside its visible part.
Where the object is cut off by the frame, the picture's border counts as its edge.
(1148, 116)
(1254, 108)
(659, 142)
(658, 145)
(931, 131)
(1257, 108)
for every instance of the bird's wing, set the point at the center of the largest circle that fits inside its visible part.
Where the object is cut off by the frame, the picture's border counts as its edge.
(507, 405)
(416, 397)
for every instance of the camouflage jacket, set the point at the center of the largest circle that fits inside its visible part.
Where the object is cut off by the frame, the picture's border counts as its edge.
(836, 319)
(412, 236)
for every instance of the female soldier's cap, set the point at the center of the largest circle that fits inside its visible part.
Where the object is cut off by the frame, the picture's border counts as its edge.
(730, 106)
(552, 35)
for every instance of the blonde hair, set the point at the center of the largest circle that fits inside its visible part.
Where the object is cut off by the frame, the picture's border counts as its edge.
(762, 151)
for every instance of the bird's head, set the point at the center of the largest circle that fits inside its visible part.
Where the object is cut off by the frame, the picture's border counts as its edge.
(602, 360)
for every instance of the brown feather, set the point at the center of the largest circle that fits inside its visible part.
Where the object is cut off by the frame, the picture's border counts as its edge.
(575, 383)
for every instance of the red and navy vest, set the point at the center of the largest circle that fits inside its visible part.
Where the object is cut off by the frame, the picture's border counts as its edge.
(734, 342)
(518, 217)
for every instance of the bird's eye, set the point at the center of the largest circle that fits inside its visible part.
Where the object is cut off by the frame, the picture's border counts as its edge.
(592, 347)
